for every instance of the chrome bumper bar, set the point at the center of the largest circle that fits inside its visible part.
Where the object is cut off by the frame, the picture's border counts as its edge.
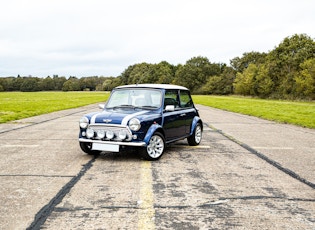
(135, 144)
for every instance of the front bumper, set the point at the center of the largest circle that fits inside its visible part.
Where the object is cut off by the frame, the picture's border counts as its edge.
(121, 143)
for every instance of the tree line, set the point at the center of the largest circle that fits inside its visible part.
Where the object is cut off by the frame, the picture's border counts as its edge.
(286, 72)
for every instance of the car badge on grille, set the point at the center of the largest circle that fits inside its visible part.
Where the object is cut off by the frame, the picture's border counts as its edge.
(107, 120)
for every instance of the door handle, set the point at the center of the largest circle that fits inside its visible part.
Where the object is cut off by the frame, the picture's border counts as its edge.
(183, 114)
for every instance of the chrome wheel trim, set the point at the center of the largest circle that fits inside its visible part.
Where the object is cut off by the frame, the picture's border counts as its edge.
(155, 147)
(198, 134)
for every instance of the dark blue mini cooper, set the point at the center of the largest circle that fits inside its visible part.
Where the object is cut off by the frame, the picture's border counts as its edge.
(147, 116)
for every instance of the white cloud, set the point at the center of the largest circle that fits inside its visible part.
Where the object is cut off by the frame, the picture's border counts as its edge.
(99, 37)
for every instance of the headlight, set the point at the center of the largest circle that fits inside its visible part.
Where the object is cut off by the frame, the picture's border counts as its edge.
(134, 124)
(84, 122)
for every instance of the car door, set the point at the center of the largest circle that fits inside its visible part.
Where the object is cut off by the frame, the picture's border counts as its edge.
(187, 109)
(174, 121)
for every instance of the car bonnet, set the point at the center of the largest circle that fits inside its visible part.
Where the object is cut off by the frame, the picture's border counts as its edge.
(114, 117)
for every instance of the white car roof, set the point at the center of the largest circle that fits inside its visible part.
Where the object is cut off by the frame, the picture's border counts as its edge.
(156, 86)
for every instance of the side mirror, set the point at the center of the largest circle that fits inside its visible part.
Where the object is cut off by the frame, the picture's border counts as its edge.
(101, 106)
(169, 108)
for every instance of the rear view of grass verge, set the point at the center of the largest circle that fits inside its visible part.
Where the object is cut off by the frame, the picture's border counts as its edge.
(18, 105)
(291, 112)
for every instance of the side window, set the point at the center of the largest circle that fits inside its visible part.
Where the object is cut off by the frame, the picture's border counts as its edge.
(171, 98)
(185, 99)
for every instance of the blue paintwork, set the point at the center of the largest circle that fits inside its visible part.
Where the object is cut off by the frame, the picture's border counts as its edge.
(174, 125)
(151, 131)
(195, 121)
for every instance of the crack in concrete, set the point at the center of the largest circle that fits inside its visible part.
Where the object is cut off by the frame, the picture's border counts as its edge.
(45, 211)
(265, 158)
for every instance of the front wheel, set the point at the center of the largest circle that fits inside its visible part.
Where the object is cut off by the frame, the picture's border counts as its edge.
(87, 148)
(155, 148)
(195, 138)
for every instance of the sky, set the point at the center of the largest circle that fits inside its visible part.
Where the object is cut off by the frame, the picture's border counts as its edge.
(102, 38)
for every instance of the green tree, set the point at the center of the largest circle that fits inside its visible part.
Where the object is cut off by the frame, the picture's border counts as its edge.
(222, 84)
(88, 83)
(305, 80)
(164, 72)
(72, 84)
(254, 81)
(212, 86)
(3, 83)
(244, 82)
(125, 76)
(17, 83)
(30, 84)
(47, 84)
(284, 62)
(195, 73)
(264, 85)
(8, 84)
(142, 73)
(111, 83)
(58, 82)
(239, 64)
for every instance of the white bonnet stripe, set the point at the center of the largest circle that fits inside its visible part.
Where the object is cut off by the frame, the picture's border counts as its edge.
(93, 118)
(127, 118)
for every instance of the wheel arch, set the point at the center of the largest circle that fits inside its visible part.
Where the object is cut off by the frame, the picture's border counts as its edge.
(153, 128)
(196, 120)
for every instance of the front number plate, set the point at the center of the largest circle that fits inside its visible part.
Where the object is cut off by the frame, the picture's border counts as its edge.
(105, 147)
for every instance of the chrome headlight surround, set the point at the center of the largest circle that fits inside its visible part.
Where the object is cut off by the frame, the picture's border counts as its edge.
(134, 124)
(84, 122)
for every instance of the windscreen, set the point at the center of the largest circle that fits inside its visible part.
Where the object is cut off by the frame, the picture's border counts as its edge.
(149, 98)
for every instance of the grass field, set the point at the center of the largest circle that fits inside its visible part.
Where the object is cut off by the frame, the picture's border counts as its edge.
(18, 105)
(291, 112)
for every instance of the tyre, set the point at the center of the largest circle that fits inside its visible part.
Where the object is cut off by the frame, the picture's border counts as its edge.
(155, 148)
(87, 148)
(196, 137)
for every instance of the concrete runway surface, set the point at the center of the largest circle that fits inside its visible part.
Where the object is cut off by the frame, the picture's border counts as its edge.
(248, 173)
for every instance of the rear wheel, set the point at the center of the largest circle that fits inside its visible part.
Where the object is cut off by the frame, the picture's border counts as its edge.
(195, 138)
(87, 148)
(155, 148)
